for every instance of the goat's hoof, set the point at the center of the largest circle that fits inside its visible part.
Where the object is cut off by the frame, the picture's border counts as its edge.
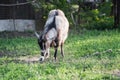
(41, 59)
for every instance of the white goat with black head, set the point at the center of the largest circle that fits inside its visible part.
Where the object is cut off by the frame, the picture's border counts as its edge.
(54, 34)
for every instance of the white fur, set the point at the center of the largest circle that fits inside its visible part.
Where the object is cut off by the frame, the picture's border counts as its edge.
(52, 34)
(49, 21)
(41, 58)
(52, 13)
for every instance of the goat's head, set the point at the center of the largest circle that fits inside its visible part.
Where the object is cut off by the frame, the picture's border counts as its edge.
(44, 46)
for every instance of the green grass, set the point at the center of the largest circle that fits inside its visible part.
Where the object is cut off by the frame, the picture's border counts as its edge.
(19, 46)
(89, 55)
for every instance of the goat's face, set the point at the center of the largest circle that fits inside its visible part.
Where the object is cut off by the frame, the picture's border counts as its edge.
(42, 45)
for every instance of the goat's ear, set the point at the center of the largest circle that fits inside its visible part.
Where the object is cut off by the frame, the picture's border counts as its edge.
(37, 35)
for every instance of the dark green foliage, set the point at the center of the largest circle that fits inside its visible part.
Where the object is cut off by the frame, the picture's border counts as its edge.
(99, 18)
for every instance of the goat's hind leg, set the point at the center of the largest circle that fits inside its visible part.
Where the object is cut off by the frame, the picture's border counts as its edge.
(56, 49)
(62, 51)
(55, 54)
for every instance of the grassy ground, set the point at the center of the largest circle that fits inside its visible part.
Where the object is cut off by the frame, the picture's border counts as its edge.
(89, 55)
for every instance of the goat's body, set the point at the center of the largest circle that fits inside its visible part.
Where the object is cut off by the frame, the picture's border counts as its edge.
(56, 26)
(55, 31)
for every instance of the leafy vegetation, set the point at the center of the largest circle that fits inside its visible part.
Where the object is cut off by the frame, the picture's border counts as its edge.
(89, 55)
(79, 14)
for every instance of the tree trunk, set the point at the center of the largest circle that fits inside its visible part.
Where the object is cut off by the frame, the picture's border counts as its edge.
(118, 10)
(112, 8)
(116, 13)
(102, 1)
(78, 21)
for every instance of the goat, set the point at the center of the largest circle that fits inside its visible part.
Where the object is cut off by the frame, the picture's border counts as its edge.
(54, 34)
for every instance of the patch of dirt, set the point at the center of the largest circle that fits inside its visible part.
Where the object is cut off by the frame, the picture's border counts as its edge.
(29, 59)
(116, 72)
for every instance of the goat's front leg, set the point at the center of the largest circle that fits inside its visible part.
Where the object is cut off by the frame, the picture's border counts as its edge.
(42, 57)
(47, 54)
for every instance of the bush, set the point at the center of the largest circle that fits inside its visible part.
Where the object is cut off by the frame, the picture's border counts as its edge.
(91, 19)
(105, 23)
(94, 19)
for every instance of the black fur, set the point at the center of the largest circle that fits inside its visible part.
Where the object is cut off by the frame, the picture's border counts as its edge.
(41, 43)
(52, 25)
